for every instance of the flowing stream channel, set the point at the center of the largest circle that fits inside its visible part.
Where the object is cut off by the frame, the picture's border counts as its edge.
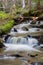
(23, 45)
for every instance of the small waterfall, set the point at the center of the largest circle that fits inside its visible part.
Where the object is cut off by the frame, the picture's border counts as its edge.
(23, 3)
(13, 40)
(19, 40)
(8, 40)
(24, 41)
(32, 42)
(16, 40)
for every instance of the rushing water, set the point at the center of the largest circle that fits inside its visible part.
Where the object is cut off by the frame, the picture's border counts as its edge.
(22, 48)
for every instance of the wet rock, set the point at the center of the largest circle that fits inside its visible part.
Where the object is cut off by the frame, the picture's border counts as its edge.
(15, 30)
(16, 55)
(7, 37)
(28, 36)
(38, 22)
(25, 28)
(41, 39)
(1, 43)
(38, 26)
(33, 55)
(41, 26)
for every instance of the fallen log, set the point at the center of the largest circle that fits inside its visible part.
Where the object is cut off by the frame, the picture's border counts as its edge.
(34, 19)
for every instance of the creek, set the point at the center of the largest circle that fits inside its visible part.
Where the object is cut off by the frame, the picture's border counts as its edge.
(23, 46)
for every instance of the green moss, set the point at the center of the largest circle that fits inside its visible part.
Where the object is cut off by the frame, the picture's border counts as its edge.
(6, 27)
(3, 15)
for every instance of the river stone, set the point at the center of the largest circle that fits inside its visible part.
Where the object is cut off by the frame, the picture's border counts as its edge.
(25, 28)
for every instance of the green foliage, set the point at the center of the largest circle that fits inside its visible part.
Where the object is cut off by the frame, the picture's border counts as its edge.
(25, 12)
(3, 15)
(18, 11)
(6, 27)
(7, 22)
